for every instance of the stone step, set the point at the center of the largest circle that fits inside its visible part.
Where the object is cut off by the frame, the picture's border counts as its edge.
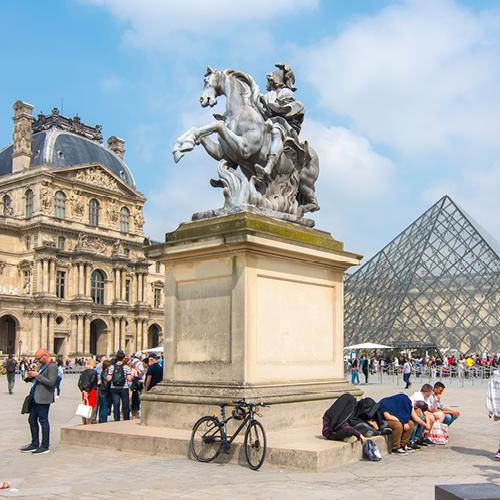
(300, 448)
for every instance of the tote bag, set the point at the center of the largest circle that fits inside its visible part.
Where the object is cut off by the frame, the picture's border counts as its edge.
(439, 433)
(84, 410)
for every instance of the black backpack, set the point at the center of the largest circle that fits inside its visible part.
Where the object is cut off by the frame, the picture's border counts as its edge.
(371, 451)
(118, 377)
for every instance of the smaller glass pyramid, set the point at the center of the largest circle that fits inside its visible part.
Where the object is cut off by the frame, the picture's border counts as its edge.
(437, 283)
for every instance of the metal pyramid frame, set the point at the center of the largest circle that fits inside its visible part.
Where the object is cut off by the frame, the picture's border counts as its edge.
(437, 283)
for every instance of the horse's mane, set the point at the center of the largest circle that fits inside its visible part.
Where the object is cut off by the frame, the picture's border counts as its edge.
(248, 79)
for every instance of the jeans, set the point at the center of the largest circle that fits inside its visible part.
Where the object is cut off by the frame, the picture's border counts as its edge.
(406, 378)
(58, 385)
(417, 434)
(103, 408)
(354, 376)
(449, 419)
(120, 394)
(39, 413)
(11, 380)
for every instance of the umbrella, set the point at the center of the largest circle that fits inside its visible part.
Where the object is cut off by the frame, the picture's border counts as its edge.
(154, 349)
(367, 345)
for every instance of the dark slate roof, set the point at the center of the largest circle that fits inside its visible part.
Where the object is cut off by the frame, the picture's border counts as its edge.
(59, 148)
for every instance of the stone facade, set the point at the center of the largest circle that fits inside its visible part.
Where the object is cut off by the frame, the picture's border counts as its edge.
(73, 275)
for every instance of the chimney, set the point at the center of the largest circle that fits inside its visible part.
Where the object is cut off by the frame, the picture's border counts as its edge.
(117, 145)
(21, 140)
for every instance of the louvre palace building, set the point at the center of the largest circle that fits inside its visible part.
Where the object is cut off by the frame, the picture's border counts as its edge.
(73, 275)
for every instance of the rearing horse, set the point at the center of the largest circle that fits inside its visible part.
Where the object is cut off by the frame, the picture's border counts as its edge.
(244, 137)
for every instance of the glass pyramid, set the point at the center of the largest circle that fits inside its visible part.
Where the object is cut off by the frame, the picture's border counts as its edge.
(436, 284)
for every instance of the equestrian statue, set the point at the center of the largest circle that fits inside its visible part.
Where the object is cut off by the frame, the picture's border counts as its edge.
(259, 133)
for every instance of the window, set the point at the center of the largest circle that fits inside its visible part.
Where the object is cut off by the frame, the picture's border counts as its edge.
(61, 240)
(97, 287)
(157, 298)
(7, 205)
(127, 290)
(158, 266)
(124, 219)
(28, 242)
(29, 203)
(94, 212)
(60, 205)
(60, 283)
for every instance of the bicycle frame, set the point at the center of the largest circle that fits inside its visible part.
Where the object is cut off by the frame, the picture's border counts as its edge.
(228, 440)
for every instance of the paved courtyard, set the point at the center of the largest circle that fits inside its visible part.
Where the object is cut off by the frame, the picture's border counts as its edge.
(70, 472)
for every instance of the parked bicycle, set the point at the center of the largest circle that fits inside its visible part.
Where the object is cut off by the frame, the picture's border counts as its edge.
(209, 437)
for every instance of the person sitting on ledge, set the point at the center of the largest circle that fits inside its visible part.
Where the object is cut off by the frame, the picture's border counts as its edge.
(400, 415)
(419, 398)
(448, 415)
(368, 419)
(336, 425)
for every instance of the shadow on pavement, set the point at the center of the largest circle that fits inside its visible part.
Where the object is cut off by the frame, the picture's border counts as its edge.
(474, 451)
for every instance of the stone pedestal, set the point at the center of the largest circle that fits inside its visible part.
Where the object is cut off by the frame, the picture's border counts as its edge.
(254, 309)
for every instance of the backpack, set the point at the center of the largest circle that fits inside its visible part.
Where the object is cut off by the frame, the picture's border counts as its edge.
(118, 377)
(338, 414)
(10, 366)
(371, 451)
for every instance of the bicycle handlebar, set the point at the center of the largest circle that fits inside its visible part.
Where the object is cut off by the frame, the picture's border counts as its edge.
(249, 404)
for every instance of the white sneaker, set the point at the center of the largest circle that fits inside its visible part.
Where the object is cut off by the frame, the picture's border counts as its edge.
(57, 397)
(408, 449)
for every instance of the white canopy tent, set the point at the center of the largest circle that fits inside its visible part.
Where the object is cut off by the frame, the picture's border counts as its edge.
(158, 349)
(366, 345)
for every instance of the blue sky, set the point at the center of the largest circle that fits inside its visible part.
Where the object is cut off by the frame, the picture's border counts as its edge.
(402, 98)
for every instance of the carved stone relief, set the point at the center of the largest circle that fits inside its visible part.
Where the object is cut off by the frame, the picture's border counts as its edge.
(46, 198)
(97, 177)
(93, 243)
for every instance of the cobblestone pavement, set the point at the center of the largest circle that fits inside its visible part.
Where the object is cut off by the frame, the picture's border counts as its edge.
(71, 472)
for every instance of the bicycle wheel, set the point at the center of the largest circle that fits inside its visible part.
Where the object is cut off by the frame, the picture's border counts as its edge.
(206, 439)
(255, 444)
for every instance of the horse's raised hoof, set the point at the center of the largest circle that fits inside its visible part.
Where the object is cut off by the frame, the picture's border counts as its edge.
(216, 183)
(177, 155)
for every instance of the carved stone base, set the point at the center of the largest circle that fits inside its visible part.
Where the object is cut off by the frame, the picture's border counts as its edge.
(218, 212)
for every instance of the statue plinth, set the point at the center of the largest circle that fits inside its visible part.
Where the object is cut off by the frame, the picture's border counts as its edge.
(254, 310)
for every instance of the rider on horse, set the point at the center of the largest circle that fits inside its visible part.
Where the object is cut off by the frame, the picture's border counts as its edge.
(284, 113)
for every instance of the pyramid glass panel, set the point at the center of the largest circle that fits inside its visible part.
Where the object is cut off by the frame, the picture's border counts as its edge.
(437, 283)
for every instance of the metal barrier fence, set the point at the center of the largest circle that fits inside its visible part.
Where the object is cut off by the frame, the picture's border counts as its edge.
(450, 375)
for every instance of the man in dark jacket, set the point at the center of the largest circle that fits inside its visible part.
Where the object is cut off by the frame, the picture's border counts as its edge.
(44, 382)
(10, 368)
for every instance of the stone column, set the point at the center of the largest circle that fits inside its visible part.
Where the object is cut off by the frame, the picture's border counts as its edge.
(87, 278)
(122, 284)
(123, 331)
(115, 285)
(52, 277)
(86, 333)
(50, 343)
(43, 331)
(79, 334)
(35, 334)
(144, 332)
(42, 275)
(116, 334)
(73, 347)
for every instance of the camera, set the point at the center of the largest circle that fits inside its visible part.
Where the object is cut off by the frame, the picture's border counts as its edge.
(28, 379)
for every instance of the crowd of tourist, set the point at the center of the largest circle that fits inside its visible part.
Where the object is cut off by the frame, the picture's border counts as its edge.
(472, 365)
(114, 385)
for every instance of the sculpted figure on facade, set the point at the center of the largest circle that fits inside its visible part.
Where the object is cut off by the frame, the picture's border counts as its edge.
(138, 218)
(77, 204)
(112, 212)
(259, 133)
(45, 198)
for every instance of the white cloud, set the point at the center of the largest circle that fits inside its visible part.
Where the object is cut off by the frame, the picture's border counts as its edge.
(348, 163)
(161, 24)
(419, 75)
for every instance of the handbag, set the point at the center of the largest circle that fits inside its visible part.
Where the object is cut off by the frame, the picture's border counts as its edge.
(371, 451)
(438, 433)
(84, 410)
(26, 408)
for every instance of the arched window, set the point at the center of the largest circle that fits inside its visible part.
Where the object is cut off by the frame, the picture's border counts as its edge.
(97, 287)
(7, 205)
(59, 205)
(29, 203)
(94, 212)
(124, 218)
